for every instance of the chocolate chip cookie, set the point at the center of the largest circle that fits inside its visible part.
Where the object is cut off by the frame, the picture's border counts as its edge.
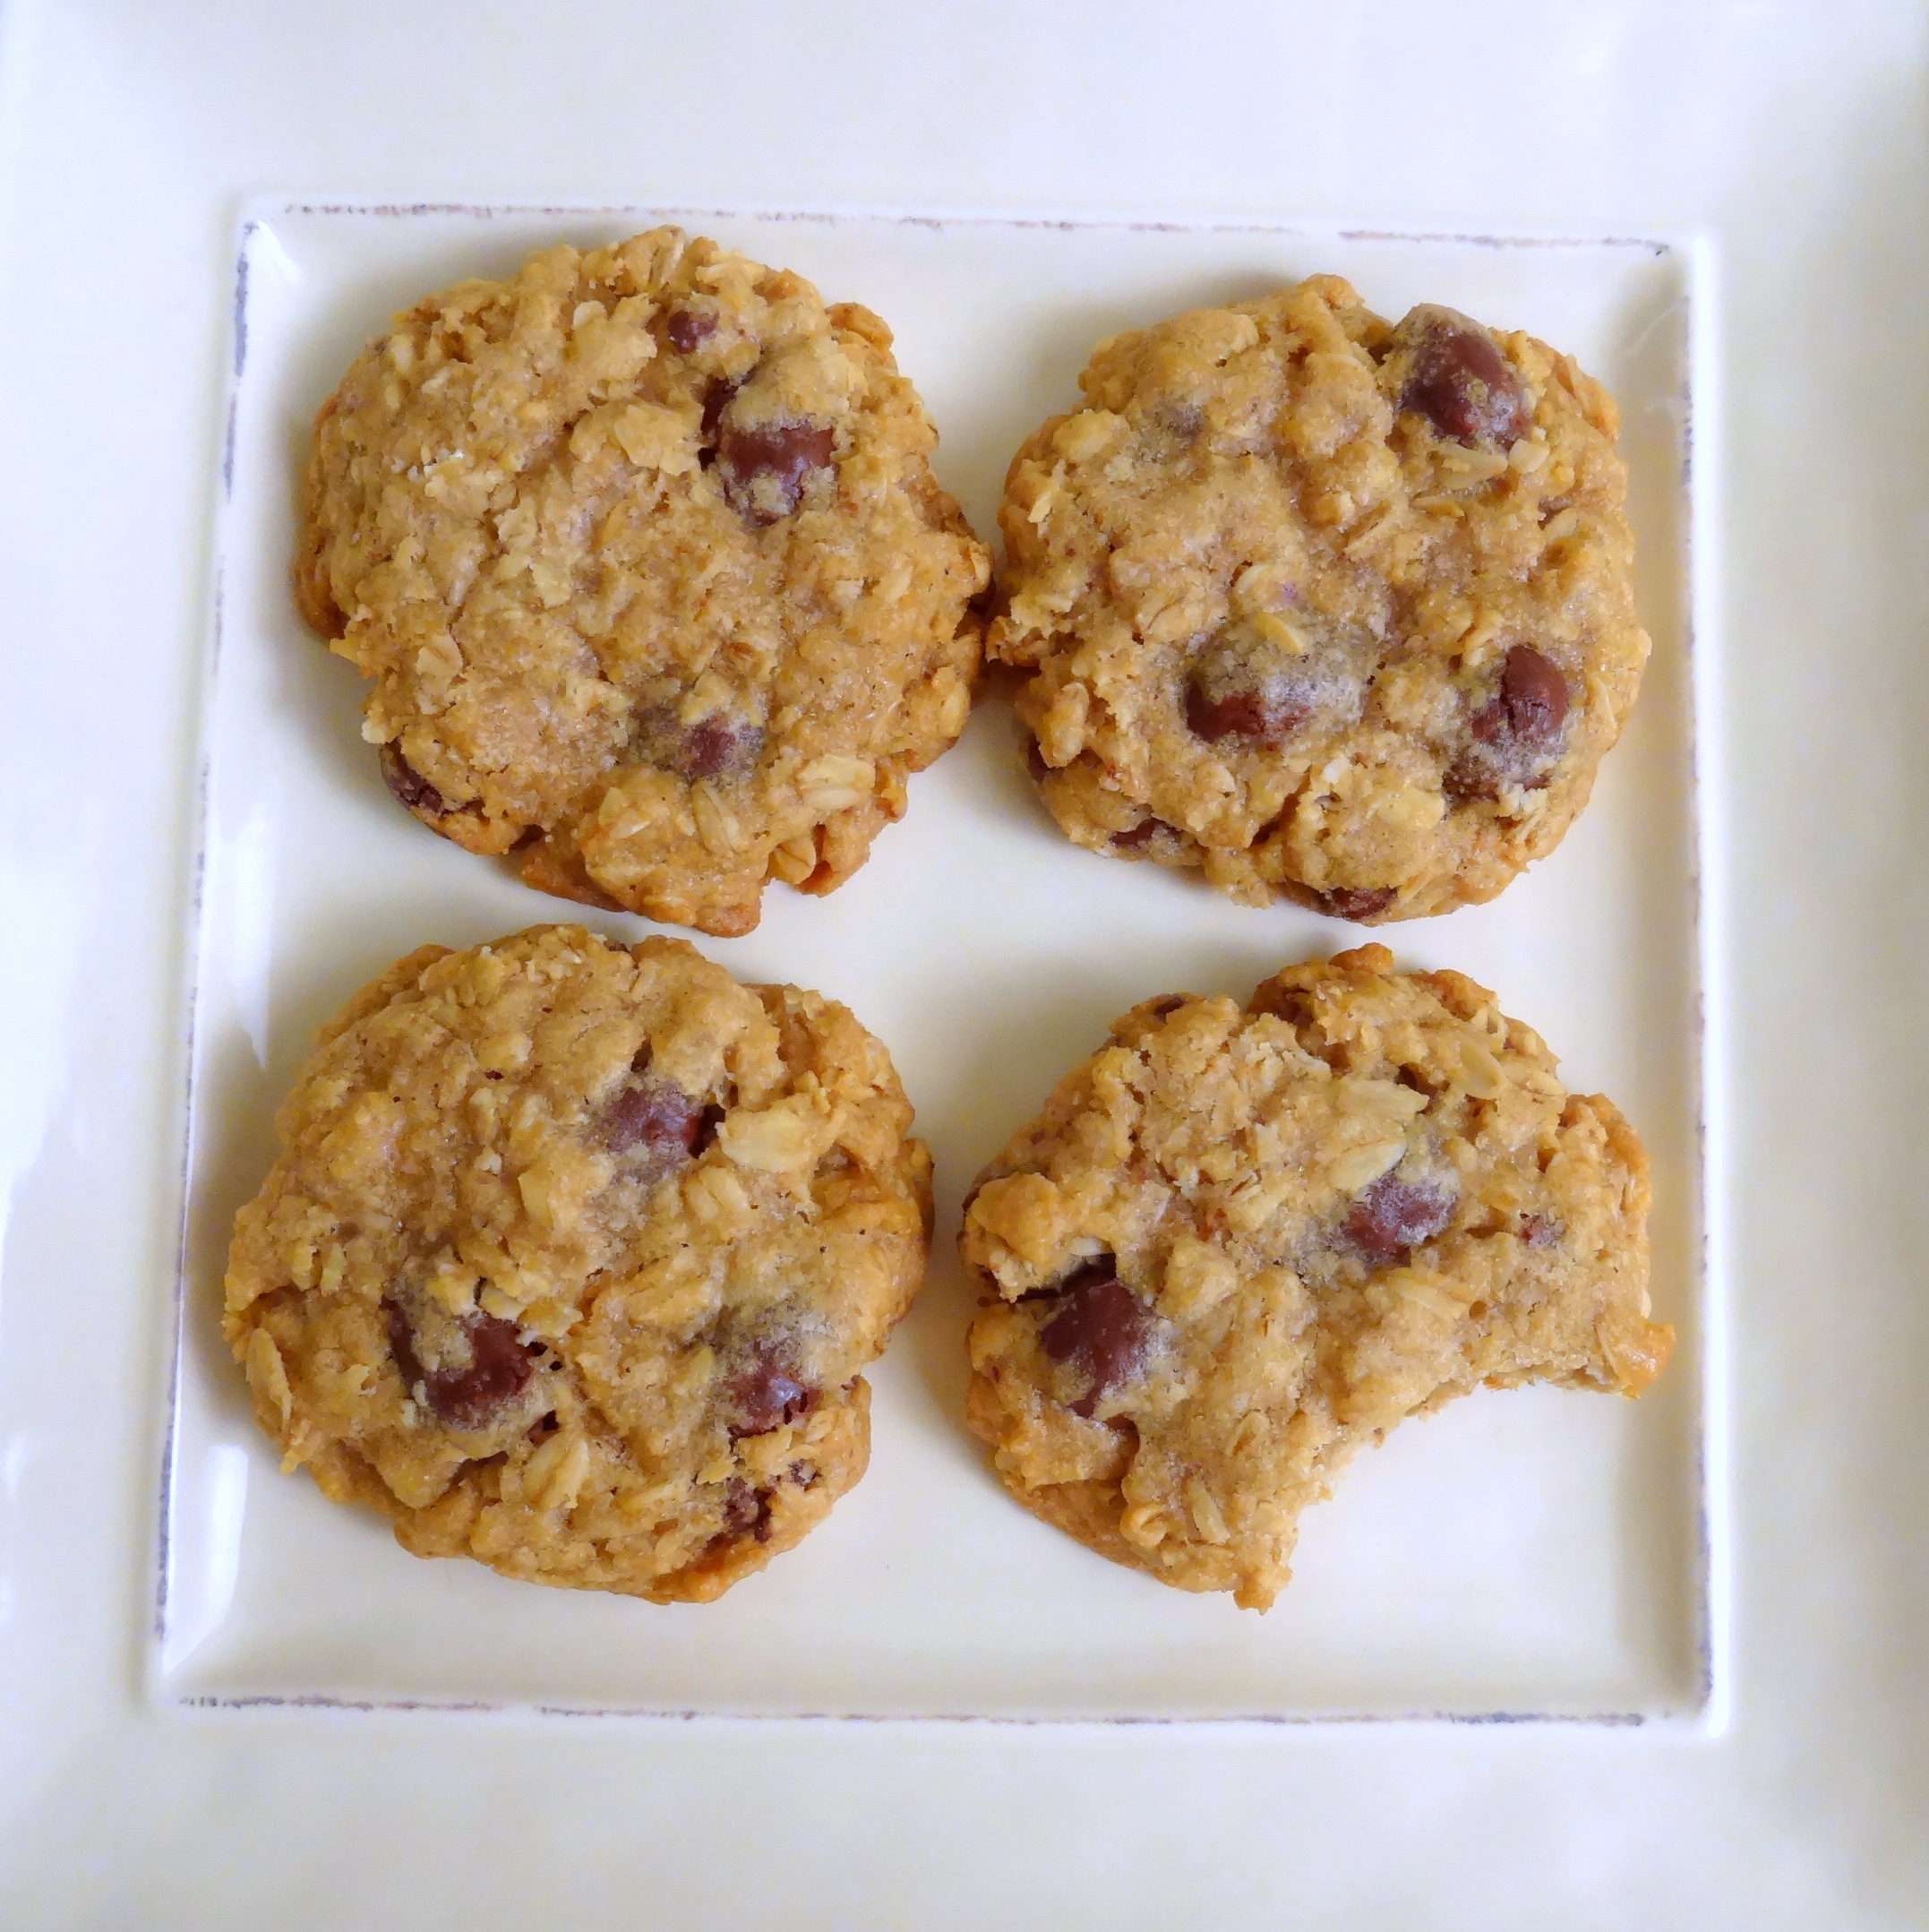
(1240, 1242)
(643, 554)
(573, 1255)
(1327, 608)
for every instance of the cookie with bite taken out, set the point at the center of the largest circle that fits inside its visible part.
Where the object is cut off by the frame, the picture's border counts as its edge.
(1240, 1242)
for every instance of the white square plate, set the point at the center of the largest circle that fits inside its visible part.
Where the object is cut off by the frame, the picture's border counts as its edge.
(1539, 1553)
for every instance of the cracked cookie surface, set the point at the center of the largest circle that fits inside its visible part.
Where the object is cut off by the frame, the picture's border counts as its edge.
(573, 1255)
(643, 554)
(1327, 608)
(1239, 1243)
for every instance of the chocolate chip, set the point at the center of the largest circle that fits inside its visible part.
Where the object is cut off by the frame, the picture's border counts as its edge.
(719, 746)
(1462, 384)
(1471, 775)
(715, 400)
(1247, 682)
(1267, 715)
(765, 469)
(470, 1397)
(1517, 733)
(1393, 1215)
(1100, 1327)
(1532, 704)
(804, 1474)
(767, 1395)
(653, 1119)
(746, 1511)
(686, 328)
(1357, 903)
(409, 786)
(1182, 420)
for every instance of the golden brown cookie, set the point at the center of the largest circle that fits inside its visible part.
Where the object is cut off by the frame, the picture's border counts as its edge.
(1329, 609)
(573, 1256)
(642, 551)
(1240, 1242)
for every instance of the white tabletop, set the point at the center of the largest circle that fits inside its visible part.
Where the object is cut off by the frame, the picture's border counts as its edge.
(1786, 141)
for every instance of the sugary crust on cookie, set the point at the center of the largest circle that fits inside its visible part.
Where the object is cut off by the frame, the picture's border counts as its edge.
(573, 1256)
(642, 551)
(1276, 579)
(1239, 1243)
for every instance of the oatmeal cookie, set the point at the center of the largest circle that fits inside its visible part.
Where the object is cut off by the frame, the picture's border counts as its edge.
(1240, 1242)
(573, 1256)
(643, 554)
(1326, 608)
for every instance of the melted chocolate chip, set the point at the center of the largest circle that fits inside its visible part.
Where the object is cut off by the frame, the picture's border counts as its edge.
(765, 469)
(1100, 1327)
(1471, 775)
(1532, 704)
(686, 328)
(409, 786)
(1516, 733)
(719, 746)
(766, 1395)
(498, 1369)
(1268, 714)
(653, 1119)
(1393, 1215)
(746, 1511)
(715, 400)
(804, 1474)
(1464, 386)
(1182, 420)
(1357, 903)
(1247, 684)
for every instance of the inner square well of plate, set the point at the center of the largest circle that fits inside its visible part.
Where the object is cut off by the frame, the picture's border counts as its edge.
(1534, 1553)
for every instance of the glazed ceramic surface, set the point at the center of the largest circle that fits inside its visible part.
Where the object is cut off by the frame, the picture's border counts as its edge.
(1533, 1552)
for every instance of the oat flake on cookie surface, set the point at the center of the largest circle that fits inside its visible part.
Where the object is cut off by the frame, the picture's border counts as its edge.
(1327, 608)
(572, 1258)
(643, 554)
(1240, 1242)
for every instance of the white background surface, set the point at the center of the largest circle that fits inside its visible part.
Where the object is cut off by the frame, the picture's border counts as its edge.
(1791, 137)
